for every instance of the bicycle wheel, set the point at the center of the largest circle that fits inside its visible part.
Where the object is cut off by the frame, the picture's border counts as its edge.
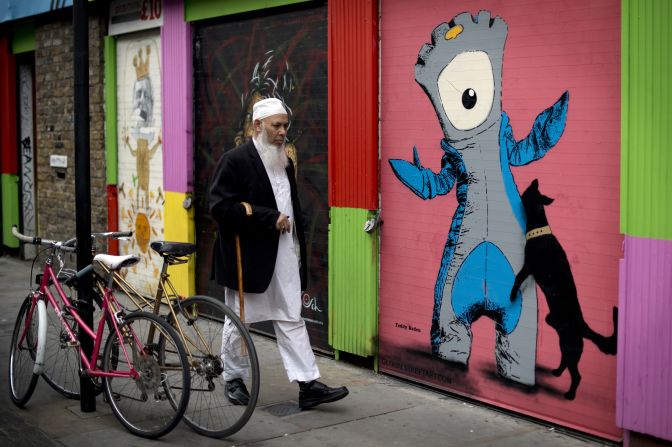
(151, 405)
(22, 378)
(61, 359)
(203, 321)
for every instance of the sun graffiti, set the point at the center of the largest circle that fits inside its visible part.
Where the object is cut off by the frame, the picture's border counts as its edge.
(146, 222)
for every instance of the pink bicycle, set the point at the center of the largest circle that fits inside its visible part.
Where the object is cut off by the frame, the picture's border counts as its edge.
(143, 369)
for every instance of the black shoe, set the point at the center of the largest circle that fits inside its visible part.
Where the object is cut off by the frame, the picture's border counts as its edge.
(315, 393)
(236, 392)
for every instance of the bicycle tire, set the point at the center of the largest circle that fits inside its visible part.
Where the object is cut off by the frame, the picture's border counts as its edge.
(163, 370)
(22, 376)
(210, 412)
(62, 359)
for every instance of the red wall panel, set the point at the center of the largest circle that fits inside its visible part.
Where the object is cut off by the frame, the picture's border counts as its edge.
(9, 163)
(112, 218)
(353, 104)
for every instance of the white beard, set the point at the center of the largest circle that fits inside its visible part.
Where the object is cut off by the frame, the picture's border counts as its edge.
(273, 155)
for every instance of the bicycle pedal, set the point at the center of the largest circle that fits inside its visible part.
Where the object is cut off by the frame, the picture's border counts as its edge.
(72, 344)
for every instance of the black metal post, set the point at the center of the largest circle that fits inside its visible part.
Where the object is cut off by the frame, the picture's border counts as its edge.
(83, 186)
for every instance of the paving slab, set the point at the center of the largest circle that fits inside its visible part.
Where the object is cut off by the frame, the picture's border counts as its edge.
(380, 410)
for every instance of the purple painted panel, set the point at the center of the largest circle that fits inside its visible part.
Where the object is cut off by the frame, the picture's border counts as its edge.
(620, 360)
(645, 338)
(177, 99)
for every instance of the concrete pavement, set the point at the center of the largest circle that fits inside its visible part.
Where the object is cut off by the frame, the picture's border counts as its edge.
(380, 410)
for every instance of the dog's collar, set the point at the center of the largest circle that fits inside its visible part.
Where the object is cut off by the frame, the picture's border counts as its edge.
(537, 232)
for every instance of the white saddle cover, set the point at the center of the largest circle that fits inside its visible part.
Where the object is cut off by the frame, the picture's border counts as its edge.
(117, 262)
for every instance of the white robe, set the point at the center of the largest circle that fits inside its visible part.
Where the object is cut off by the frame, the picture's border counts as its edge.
(281, 303)
(282, 299)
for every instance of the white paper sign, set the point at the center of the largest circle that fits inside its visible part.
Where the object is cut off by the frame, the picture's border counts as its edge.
(58, 161)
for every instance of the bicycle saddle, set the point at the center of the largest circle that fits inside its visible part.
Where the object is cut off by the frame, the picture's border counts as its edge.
(173, 248)
(117, 262)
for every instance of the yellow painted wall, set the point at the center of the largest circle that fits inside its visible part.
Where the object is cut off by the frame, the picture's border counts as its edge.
(180, 228)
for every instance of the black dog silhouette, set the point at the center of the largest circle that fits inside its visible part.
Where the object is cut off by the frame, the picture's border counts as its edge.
(547, 262)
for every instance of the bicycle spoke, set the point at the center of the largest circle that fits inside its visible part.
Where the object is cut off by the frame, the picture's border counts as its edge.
(62, 364)
(210, 412)
(153, 403)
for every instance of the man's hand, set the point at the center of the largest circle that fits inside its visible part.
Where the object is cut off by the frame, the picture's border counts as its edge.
(283, 225)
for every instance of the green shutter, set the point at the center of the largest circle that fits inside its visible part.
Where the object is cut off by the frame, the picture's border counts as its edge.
(353, 283)
(646, 119)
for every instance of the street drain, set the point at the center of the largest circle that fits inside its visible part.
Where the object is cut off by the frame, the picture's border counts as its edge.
(283, 409)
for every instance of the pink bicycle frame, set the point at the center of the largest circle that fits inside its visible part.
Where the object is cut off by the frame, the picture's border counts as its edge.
(89, 363)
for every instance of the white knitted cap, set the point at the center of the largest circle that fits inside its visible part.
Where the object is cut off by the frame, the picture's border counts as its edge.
(267, 107)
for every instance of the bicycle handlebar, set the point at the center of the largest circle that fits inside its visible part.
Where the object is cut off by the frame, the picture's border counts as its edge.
(39, 241)
(68, 245)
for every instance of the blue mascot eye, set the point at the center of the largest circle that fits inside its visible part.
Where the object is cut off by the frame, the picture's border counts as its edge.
(469, 98)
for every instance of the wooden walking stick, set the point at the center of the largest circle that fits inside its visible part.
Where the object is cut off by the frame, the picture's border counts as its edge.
(241, 297)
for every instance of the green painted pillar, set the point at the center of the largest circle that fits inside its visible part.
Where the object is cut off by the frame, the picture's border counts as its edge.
(10, 208)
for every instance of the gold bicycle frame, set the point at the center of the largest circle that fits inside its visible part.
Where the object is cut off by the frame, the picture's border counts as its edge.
(142, 303)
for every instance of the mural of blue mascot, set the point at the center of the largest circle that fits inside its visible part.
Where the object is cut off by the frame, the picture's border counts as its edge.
(461, 72)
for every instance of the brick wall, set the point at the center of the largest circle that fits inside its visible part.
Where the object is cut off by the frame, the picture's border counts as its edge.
(54, 125)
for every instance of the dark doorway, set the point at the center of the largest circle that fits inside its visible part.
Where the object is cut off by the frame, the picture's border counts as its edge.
(237, 61)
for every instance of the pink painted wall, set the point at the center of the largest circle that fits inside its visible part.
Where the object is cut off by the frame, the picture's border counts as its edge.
(645, 350)
(176, 50)
(551, 47)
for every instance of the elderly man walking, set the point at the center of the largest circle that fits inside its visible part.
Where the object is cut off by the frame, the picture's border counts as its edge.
(253, 194)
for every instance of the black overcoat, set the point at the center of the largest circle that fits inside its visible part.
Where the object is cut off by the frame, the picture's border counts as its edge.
(240, 176)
